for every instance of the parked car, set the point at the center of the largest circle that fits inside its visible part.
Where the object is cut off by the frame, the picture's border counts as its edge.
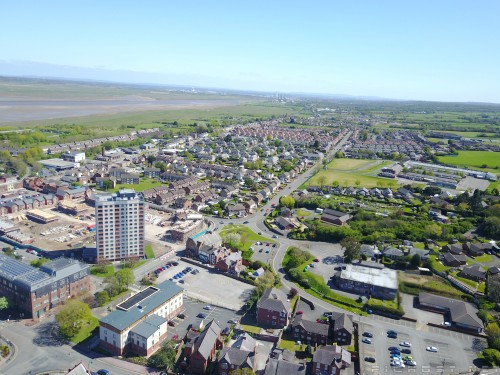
(300, 312)
(367, 334)
(102, 372)
(405, 343)
(370, 359)
(316, 260)
(391, 332)
(275, 236)
(366, 340)
(391, 348)
(406, 351)
(232, 321)
(171, 323)
(327, 314)
(432, 349)
(201, 315)
(207, 307)
(446, 324)
(181, 316)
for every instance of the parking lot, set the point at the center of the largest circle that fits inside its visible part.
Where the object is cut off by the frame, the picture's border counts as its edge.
(264, 252)
(194, 307)
(206, 286)
(456, 351)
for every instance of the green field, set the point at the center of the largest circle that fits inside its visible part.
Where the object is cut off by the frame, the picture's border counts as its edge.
(141, 186)
(248, 236)
(473, 159)
(353, 172)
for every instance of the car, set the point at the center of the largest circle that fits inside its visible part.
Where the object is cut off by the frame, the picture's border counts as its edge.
(410, 363)
(267, 244)
(392, 336)
(274, 245)
(260, 233)
(366, 340)
(103, 371)
(275, 236)
(207, 307)
(311, 265)
(267, 251)
(432, 349)
(405, 343)
(446, 324)
(407, 358)
(391, 348)
(181, 316)
(201, 315)
(246, 222)
(391, 332)
(395, 352)
(327, 314)
(175, 263)
(316, 260)
(221, 222)
(232, 321)
(370, 359)
(261, 250)
(306, 268)
(367, 334)
(171, 323)
(323, 321)
(300, 312)
(189, 269)
(406, 351)
(181, 281)
(395, 356)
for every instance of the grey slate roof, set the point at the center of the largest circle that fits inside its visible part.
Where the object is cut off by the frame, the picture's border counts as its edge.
(121, 319)
(310, 326)
(342, 320)
(237, 357)
(207, 339)
(274, 300)
(149, 326)
(460, 311)
(279, 367)
(245, 342)
(332, 355)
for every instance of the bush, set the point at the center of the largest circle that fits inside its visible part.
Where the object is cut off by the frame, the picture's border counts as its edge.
(492, 356)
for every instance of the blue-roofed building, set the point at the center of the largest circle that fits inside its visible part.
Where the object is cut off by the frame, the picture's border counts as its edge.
(140, 323)
(36, 291)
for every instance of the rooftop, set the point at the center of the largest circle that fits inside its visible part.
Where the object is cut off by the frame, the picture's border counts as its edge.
(385, 278)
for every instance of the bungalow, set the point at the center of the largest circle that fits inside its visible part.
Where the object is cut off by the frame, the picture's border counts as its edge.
(452, 248)
(284, 223)
(392, 253)
(454, 260)
(329, 360)
(476, 249)
(335, 217)
(474, 272)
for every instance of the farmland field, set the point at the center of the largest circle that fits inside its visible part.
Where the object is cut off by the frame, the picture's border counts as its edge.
(473, 159)
(353, 172)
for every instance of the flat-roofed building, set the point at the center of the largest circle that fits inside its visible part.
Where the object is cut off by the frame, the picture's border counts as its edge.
(367, 281)
(41, 217)
(120, 225)
(140, 323)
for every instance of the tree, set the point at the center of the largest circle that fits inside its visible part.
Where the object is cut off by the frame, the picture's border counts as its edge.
(102, 298)
(233, 240)
(415, 261)
(73, 316)
(432, 190)
(322, 180)
(351, 248)
(39, 262)
(125, 277)
(108, 184)
(164, 359)
(288, 201)
(293, 292)
(492, 356)
(4, 303)
(151, 159)
(265, 281)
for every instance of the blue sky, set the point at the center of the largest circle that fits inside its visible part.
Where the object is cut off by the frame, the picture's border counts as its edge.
(404, 49)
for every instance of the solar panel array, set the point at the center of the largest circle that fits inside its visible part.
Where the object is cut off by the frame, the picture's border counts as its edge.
(137, 298)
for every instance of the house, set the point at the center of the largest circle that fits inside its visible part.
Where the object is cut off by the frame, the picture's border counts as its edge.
(201, 348)
(309, 332)
(424, 254)
(286, 212)
(452, 248)
(273, 309)
(474, 272)
(461, 314)
(476, 249)
(329, 360)
(341, 328)
(281, 367)
(231, 263)
(335, 217)
(152, 172)
(236, 210)
(284, 223)
(240, 355)
(393, 253)
(454, 260)
(370, 251)
(201, 242)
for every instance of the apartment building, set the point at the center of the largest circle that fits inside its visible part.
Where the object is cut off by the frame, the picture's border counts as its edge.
(120, 225)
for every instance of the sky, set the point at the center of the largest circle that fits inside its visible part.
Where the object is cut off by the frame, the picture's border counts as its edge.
(445, 50)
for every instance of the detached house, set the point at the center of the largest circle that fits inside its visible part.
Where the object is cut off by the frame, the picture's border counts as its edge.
(273, 309)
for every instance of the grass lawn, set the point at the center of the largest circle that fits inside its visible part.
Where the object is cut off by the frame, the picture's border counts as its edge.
(149, 251)
(485, 258)
(287, 344)
(474, 159)
(143, 184)
(86, 331)
(471, 283)
(109, 270)
(248, 236)
(304, 213)
(250, 329)
(414, 284)
(437, 265)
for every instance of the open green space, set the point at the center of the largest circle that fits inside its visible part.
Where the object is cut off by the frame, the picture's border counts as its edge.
(250, 329)
(473, 159)
(248, 236)
(102, 270)
(301, 213)
(144, 184)
(86, 331)
(148, 250)
(485, 258)
(414, 284)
